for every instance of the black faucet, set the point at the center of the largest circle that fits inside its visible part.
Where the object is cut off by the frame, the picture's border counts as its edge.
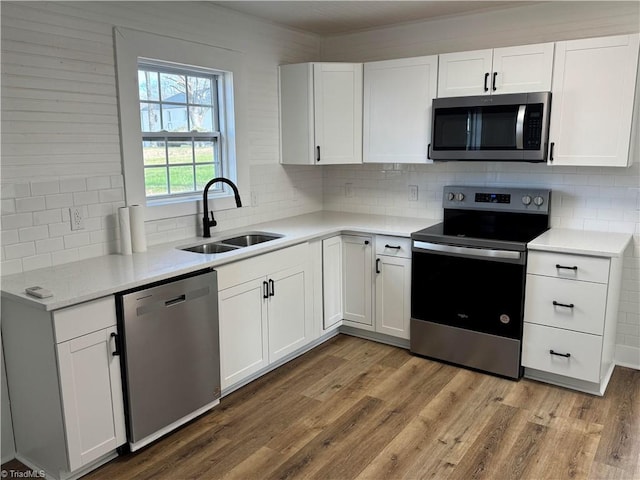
(206, 222)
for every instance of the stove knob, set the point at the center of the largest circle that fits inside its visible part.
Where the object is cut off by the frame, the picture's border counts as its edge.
(459, 197)
(450, 196)
(526, 200)
(538, 200)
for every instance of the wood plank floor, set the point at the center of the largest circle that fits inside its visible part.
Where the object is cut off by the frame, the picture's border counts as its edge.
(355, 409)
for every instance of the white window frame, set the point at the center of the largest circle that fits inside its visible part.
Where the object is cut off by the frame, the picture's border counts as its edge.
(133, 46)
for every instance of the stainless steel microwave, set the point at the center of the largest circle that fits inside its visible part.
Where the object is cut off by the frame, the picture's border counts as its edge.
(511, 127)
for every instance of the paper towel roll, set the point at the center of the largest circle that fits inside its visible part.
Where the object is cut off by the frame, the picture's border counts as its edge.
(138, 237)
(125, 230)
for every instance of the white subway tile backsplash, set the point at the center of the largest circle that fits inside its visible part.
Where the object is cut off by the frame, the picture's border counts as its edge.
(60, 200)
(98, 183)
(69, 185)
(49, 245)
(85, 198)
(29, 204)
(75, 240)
(64, 256)
(46, 217)
(9, 237)
(111, 195)
(37, 261)
(9, 267)
(15, 221)
(29, 234)
(8, 205)
(59, 229)
(48, 187)
(19, 250)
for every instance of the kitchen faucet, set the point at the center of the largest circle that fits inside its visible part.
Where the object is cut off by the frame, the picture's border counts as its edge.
(207, 222)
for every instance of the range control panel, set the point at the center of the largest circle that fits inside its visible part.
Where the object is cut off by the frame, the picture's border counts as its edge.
(531, 200)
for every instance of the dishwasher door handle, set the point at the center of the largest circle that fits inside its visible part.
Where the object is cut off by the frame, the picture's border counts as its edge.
(175, 301)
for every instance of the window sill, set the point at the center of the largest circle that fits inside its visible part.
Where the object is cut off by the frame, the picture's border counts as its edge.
(170, 208)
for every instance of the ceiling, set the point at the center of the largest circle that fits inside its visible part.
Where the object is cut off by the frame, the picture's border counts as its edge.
(338, 17)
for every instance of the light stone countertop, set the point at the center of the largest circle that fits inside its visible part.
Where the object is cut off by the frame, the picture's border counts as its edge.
(89, 279)
(581, 242)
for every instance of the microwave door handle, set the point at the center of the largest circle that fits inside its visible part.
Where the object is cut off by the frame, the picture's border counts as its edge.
(520, 127)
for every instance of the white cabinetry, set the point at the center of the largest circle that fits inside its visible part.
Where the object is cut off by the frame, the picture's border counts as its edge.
(571, 304)
(357, 281)
(393, 286)
(332, 281)
(397, 109)
(593, 100)
(266, 311)
(64, 378)
(519, 69)
(321, 113)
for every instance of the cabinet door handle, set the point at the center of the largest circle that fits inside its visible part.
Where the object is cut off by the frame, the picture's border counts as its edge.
(493, 84)
(566, 305)
(272, 287)
(395, 247)
(559, 267)
(265, 290)
(378, 265)
(486, 77)
(116, 343)
(553, 144)
(429, 152)
(565, 355)
(366, 242)
(318, 153)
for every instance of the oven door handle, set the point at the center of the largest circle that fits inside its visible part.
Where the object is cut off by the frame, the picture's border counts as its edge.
(467, 251)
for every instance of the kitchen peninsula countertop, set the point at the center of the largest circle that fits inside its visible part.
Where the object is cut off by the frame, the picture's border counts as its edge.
(85, 280)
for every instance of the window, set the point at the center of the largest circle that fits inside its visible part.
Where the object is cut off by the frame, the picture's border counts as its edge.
(179, 121)
(181, 106)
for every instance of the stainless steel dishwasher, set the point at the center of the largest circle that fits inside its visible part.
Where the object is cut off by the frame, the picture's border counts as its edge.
(171, 354)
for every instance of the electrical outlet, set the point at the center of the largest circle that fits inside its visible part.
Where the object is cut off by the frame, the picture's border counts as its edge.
(77, 222)
(348, 190)
(254, 199)
(413, 193)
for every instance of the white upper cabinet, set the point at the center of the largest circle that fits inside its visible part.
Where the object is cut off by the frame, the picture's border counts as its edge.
(397, 109)
(520, 69)
(321, 113)
(593, 99)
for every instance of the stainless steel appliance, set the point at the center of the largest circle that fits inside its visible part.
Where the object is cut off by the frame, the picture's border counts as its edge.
(468, 277)
(171, 354)
(512, 127)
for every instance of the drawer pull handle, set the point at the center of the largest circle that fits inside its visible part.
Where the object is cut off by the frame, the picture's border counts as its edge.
(565, 355)
(574, 268)
(566, 305)
(395, 247)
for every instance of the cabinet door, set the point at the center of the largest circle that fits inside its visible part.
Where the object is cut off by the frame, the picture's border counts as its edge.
(243, 331)
(464, 73)
(592, 105)
(332, 281)
(290, 311)
(522, 69)
(393, 295)
(357, 280)
(397, 109)
(296, 114)
(338, 112)
(91, 396)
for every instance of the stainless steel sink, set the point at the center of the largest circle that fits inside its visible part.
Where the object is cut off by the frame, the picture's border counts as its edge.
(232, 243)
(250, 239)
(213, 247)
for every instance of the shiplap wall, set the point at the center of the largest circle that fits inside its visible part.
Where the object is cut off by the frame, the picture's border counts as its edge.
(603, 199)
(60, 134)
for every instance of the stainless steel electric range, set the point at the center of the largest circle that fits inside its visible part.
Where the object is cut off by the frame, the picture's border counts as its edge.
(468, 277)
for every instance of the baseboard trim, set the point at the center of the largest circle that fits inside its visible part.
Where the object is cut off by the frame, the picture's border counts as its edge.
(627, 356)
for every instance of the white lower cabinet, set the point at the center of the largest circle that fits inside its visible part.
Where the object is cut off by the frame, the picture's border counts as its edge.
(63, 371)
(266, 311)
(368, 295)
(570, 316)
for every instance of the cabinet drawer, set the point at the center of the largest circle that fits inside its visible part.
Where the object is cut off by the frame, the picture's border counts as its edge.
(584, 352)
(386, 245)
(576, 267)
(578, 306)
(78, 320)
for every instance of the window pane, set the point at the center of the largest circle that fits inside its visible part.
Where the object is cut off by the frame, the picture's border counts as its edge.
(201, 119)
(173, 88)
(148, 85)
(174, 118)
(204, 152)
(154, 152)
(150, 117)
(181, 179)
(155, 181)
(180, 151)
(200, 90)
(204, 173)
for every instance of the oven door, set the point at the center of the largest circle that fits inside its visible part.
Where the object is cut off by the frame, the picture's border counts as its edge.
(467, 306)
